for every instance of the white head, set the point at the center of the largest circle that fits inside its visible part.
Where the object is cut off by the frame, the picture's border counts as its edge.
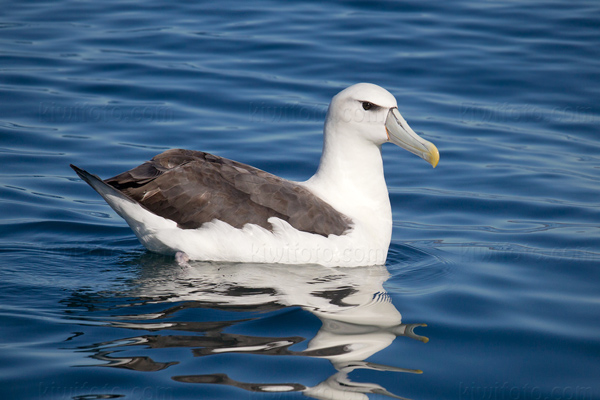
(369, 112)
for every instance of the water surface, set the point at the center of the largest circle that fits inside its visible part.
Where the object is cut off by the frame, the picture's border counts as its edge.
(490, 290)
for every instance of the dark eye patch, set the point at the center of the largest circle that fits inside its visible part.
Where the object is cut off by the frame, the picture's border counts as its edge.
(368, 106)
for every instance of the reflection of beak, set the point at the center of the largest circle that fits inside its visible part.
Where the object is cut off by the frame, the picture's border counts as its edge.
(402, 135)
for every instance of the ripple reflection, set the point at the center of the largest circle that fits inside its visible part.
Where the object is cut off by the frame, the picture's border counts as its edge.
(357, 319)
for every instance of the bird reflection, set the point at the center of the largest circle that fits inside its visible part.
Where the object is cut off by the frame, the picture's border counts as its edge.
(357, 320)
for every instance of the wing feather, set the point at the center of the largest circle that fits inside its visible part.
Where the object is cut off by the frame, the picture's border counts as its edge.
(193, 187)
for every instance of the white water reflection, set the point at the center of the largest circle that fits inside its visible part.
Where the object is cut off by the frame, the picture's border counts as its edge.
(358, 320)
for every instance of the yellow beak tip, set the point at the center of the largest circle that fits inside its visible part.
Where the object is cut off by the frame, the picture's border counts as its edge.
(434, 156)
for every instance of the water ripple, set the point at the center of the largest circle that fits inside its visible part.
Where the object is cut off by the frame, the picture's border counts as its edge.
(496, 249)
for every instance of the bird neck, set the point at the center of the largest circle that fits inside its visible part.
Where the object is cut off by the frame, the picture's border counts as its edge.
(350, 178)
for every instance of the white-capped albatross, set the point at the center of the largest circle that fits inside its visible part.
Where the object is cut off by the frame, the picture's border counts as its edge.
(204, 207)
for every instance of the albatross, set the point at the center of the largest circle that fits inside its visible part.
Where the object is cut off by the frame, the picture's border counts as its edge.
(199, 206)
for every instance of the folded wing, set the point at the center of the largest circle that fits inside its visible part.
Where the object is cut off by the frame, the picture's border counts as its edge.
(193, 187)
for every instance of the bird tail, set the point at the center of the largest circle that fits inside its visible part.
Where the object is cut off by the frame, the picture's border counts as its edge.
(144, 223)
(111, 195)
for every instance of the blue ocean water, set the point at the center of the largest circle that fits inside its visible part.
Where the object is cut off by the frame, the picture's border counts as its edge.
(491, 288)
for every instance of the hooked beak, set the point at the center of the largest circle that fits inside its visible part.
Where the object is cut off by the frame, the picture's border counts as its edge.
(402, 135)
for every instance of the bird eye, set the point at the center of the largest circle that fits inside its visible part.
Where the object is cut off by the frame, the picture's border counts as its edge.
(366, 105)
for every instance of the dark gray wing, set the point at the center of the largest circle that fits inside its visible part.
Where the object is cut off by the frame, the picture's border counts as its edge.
(193, 187)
